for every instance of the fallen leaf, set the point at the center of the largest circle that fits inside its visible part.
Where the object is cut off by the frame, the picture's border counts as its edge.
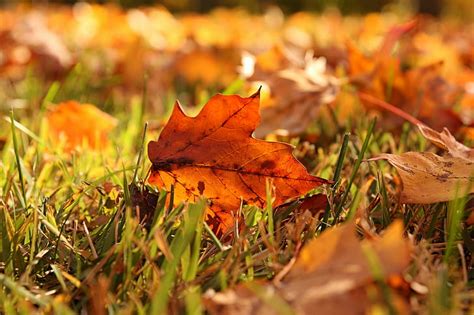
(332, 275)
(339, 248)
(207, 67)
(99, 299)
(78, 124)
(314, 203)
(420, 90)
(430, 178)
(382, 69)
(32, 31)
(296, 93)
(470, 218)
(446, 141)
(428, 94)
(215, 155)
(145, 200)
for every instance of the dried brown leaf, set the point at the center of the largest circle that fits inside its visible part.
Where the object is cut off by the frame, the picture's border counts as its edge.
(447, 142)
(430, 178)
(331, 275)
(297, 91)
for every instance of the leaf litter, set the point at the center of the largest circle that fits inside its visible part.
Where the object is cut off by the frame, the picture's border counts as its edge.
(73, 225)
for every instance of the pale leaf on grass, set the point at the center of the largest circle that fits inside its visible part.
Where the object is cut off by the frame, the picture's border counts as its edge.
(429, 178)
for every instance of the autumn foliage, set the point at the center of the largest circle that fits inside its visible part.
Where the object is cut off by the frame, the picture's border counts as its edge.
(215, 155)
(137, 175)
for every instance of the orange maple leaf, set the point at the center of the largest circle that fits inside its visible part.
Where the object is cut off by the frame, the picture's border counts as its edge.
(78, 124)
(214, 154)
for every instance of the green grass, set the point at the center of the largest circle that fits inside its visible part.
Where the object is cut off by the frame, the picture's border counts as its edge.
(67, 244)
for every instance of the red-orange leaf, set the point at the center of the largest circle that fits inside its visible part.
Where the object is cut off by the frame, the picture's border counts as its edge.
(215, 155)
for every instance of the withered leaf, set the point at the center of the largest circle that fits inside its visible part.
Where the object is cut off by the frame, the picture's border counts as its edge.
(339, 248)
(33, 32)
(314, 203)
(294, 108)
(215, 155)
(146, 201)
(332, 275)
(430, 178)
(421, 90)
(372, 72)
(446, 141)
(297, 92)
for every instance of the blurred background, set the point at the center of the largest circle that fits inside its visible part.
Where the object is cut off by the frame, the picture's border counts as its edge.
(416, 54)
(462, 8)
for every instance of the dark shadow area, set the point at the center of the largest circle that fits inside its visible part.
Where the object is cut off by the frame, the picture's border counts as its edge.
(432, 7)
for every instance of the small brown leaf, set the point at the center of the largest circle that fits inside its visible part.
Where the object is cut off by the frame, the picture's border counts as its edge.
(470, 218)
(447, 142)
(314, 203)
(146, 201)
(430, 178)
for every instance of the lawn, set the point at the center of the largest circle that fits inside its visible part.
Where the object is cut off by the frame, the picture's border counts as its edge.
(115, 201)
